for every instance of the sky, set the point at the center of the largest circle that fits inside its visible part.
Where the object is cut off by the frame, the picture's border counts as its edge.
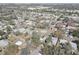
(39, 1)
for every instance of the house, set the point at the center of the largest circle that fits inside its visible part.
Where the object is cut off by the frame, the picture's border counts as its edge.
(54, 40)
(74, 46)
(18, 43)
(4, 43)
(59, 24)
(71, 27)
(63, 41)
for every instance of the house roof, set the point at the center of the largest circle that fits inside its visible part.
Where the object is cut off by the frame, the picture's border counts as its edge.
(18, 42)
(3, 43)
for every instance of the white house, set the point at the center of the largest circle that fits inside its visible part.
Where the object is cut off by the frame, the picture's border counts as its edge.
(19, 43)
(63, 41)
(54, 40)
(4, 43)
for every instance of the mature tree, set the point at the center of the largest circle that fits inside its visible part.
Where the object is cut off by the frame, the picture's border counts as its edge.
(12, 50)
(58, 34)
(9, 29)
(47, 50)
(2, 32)
(75, 33)
(35, 38)
(11, 37)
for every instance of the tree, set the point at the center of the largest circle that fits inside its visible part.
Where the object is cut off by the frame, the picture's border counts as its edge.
(66, 19)
(9, 29)
(75, 33)
(0, 37)
(11, 22)
(57, 50)
(2, 32)
(12, 50)
(47, 50)
(48, 39)
(11, 37)
(35, 38)
(58, 34)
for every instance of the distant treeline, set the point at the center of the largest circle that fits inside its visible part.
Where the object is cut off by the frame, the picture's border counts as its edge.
(54, 5)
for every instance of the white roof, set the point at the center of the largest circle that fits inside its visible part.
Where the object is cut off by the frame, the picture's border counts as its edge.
(71, 36)
(71, 27)
(21, 29)
(3, 43)
(63, 41)
(54, 40)
(19, 43)
(73, 45)
(43, 39)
